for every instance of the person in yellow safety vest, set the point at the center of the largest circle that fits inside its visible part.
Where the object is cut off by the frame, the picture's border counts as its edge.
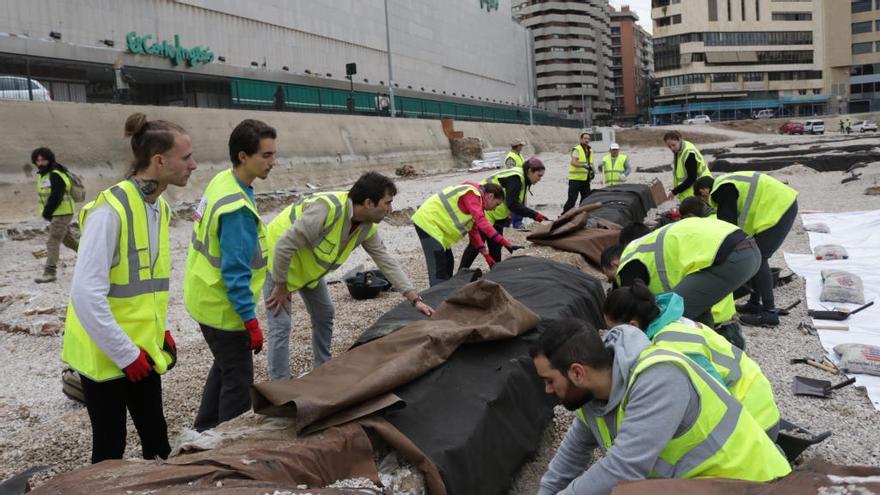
(115, 333)
(225, 269)
(580, 172)
(688, 165)
(765, 209)
(514, 157)
(615, 166)
(309, 240)
(654, 412)
(662, 320)
(514, 160)
(446, 217)
(701, 259)
(517, 183)
(56, 206)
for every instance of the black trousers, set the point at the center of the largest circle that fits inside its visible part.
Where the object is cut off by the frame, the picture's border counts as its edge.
(470, 253)
(107, 402)
(227, 392)
(576, 188)
(769, 242)
(439, 261)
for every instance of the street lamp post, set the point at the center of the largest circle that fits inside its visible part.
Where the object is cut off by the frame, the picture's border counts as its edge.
(529, 73)
(388, 48)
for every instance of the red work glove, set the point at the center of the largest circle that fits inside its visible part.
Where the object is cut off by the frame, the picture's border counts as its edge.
(489, 259)
(139, 369)
(256, 335)
(171, 348)
(540, 218)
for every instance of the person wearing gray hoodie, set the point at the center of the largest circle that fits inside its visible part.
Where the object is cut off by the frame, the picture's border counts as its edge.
(663, 404)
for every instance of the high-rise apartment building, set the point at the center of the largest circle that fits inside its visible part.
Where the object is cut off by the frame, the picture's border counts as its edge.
(732, 58)
(632, 65)
(861, 57)
(572, 50)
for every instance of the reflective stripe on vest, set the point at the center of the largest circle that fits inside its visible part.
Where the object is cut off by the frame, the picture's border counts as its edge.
(742, 376)
(204, 292)
(138, 295)
(516, 157)
(614, 170)
(721, 443)
(326, 253)
(577, 173)
(701, 236)
(679, 173)
(501, 211)
(761, 200)
(441, 218)
(44, 189)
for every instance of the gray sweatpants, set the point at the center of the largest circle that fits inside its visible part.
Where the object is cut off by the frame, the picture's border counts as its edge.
(321, 311)
(703, 289)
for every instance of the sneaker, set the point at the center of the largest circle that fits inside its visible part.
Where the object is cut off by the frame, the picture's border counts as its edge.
(762, 319)
(749, 308)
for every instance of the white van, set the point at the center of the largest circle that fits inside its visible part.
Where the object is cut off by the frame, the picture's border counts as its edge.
(16, 88)
(814, 126)
(698, 119)
(765, 114)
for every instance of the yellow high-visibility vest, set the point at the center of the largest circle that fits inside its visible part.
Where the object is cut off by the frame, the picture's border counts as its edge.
(501, 211)
(441, 218)
(138, 293)
(761, 202)
(613, 169)
(679, 173)
(204, 293)
(44, 189)
(309, 265)
(584, 158)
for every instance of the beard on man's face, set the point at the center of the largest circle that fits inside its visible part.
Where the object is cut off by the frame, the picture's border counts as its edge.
(575, 397)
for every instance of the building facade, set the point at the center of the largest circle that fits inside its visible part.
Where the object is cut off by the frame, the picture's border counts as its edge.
(732, 58)
(572, 52)
(862, 57)
(632, 66)
(213, 54)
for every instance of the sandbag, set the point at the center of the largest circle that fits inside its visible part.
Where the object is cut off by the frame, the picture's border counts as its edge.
(841, 286)
(817, 227)
(830, 252)
(859, 358)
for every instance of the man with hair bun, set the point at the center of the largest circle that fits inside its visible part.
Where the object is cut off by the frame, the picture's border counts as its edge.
(115, 333)
(225, 270)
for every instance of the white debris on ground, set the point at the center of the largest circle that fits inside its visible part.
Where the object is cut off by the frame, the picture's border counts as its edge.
(400, 476)
(41, 426)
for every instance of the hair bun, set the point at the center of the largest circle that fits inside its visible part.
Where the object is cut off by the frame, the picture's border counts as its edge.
(135, 124)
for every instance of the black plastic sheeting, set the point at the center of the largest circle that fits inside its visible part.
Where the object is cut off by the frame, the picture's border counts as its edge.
(481, 415)
(622, 204)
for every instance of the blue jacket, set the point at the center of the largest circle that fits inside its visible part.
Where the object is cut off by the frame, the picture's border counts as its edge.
(238, 241)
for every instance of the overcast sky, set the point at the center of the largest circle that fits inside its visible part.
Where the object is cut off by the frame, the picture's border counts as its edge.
(642, 8)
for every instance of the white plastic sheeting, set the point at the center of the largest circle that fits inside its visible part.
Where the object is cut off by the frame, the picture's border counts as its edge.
(859, 233)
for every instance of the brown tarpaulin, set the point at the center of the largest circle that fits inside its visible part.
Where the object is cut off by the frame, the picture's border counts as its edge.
(577, 232)
(479, 311)
(805, 481)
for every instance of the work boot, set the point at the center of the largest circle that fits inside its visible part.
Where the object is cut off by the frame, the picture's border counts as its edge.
(762, 319)
(48, 276)
(733, 333)
(749, 308)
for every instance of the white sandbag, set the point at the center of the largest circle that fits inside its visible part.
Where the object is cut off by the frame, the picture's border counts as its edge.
(859, 358)
(817, 227)
(830, 252)
(841, 286)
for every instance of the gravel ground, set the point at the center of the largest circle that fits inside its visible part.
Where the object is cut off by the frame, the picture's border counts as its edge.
(40, 425)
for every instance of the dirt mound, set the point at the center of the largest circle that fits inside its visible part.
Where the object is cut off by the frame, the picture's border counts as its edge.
(755, 126)
(648, 138)
(796, 169)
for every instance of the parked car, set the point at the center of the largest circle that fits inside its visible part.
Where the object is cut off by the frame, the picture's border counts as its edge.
(640, 126)
(791, 128)
(814, 126)
(764, 114)
(698, 119)
(16, 88)
(865, 126)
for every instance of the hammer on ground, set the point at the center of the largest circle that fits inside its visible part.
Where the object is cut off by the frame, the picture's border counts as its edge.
(816, 364)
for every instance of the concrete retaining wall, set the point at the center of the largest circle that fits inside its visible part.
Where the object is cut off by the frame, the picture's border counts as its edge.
(329, 150)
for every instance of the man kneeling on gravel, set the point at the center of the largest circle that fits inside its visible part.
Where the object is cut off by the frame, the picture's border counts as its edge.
(654, 412)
